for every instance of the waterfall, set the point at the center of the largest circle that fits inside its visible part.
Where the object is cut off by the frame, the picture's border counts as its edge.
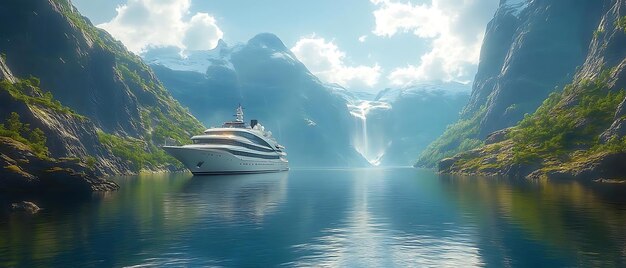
(371, 151)
(364, 135)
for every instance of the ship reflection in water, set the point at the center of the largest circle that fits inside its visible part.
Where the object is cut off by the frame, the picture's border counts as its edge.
(356, 218)
(236, 198)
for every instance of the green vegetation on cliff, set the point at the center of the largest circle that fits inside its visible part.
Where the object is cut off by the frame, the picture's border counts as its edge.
(98, 36)
(458, 137)
(621, 23)
(161, 117)
(34, 138)
(145, 153)
(571, 120)
(28, 91)
(562, 136)
(140, 154)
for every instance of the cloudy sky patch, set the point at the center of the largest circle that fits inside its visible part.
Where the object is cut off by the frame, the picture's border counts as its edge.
(378, 44)
(140, 24)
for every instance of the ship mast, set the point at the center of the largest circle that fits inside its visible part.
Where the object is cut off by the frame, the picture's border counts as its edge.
(239, 114)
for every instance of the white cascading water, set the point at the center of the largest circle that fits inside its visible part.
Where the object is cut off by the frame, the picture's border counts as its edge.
(361, 139)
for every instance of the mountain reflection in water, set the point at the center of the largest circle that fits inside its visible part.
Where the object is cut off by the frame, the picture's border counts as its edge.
(339, 217)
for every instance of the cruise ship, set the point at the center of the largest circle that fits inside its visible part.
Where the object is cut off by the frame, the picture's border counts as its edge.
(234, 148)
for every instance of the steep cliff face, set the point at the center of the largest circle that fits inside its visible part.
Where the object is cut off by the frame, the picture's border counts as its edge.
(49, 40)
(67, 133)
(274, 87)
(577, 132)
(25, 172)
(5, 72)
(549, 40)
(530, 48)
(122, 106)
(31, 120)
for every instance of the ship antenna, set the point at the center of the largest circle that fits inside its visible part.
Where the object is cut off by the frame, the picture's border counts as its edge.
(239, 113)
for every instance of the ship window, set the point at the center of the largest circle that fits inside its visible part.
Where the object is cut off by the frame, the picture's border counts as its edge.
(231, 142)
(253, 154)
(249, 136)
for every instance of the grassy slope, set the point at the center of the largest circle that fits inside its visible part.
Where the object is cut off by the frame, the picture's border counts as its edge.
(562, 135)
(458, 137)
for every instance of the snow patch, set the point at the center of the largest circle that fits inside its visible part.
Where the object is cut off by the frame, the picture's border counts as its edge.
(310, 122)
(516, 7)
(283, 56)
(424, 89)
(361, 108)
(189, 60)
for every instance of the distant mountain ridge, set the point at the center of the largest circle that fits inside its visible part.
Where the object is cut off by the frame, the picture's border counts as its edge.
(270, 81)
(192, 61)
(416, 116)
(273, 86)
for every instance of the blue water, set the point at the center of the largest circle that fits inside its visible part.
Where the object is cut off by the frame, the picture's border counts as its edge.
(350, 218)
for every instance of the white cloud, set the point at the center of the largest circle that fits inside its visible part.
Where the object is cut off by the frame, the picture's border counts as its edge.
(455, 29)
(325, 60)
(202, 33)
(143, 23)
(362, 38)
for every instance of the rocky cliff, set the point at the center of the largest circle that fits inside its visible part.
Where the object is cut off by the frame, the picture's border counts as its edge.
(578, 131)
(5, 72)
(33, 120)
(92, 99)
(530, 49)
(67, 133)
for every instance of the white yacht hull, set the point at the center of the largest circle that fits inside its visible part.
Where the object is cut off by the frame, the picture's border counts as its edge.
(202, 161)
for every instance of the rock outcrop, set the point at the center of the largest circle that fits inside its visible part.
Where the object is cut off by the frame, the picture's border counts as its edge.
(24, 172)
(5, 72)
(67, 134)
(24, 206)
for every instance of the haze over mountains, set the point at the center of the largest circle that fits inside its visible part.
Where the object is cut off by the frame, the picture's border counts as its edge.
(320, 124)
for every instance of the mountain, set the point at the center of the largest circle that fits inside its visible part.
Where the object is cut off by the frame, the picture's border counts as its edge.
(578, 131)
(388, 128)
(93, 101)
(307, 116)
(36, 127)
(397, 124)
(190, 60)
(531, 48)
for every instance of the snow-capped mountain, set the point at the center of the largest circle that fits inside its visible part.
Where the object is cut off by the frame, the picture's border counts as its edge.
(423, 89)
(321, 124)
(309, 118)
(193, 61)
(515, 7)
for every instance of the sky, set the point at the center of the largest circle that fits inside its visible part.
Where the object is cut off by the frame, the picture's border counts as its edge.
(359, 44)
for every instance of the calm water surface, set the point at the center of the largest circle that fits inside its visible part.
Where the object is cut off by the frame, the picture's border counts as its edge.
(355, 218)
